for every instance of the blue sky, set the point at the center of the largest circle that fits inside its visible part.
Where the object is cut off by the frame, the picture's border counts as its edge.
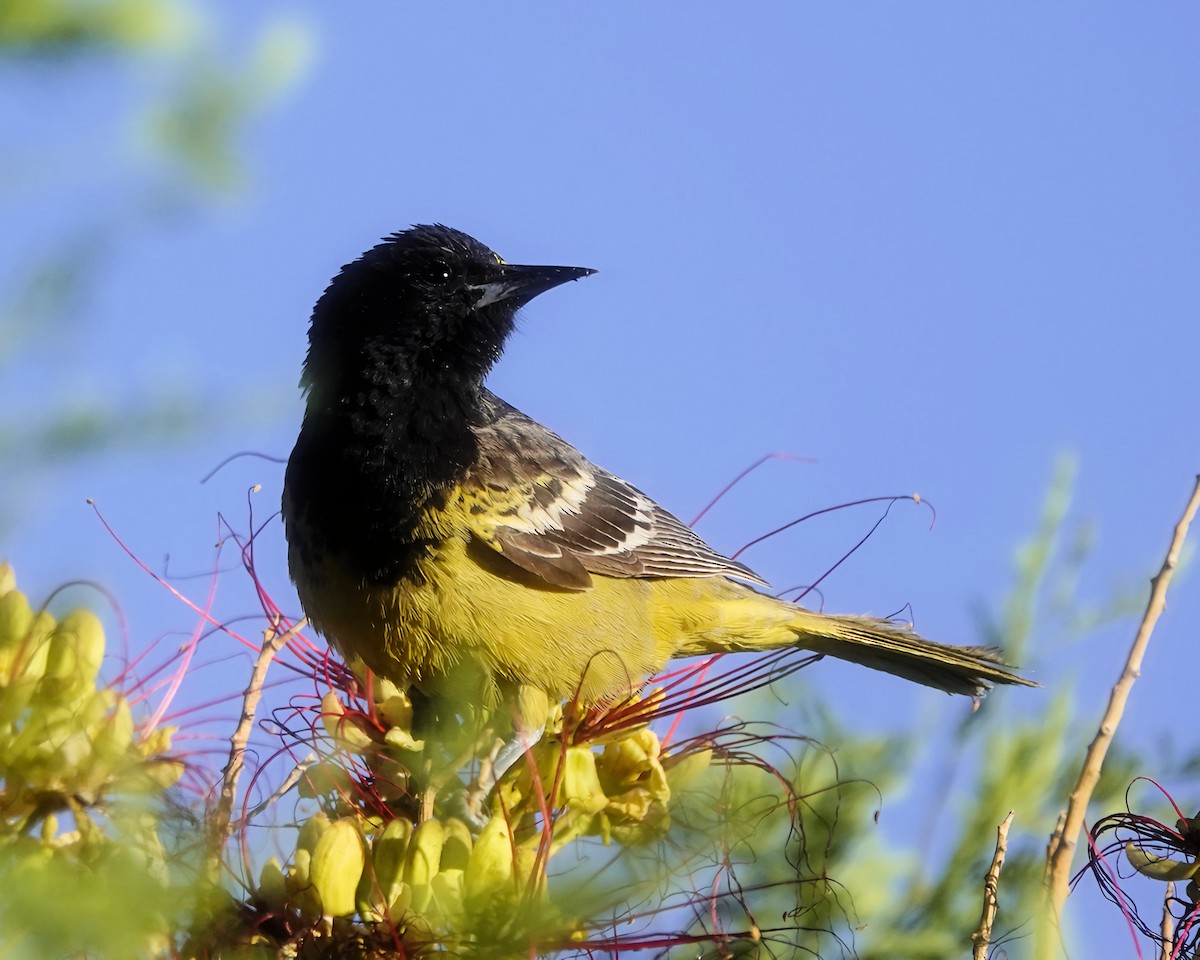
(929, 246)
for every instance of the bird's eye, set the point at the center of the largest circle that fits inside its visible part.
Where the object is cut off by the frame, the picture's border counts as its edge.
(439, 273)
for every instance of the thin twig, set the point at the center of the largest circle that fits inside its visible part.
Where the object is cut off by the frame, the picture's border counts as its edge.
(1167, 929)
(281, 791)
(1058, 866)
(220, 821)
(982, 937)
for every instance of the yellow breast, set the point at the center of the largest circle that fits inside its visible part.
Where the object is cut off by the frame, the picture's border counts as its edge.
(466, 605)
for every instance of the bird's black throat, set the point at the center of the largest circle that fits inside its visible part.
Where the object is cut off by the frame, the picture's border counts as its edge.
(382, 442)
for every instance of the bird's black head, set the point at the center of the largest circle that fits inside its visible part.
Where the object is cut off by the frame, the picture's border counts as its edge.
(429, 301)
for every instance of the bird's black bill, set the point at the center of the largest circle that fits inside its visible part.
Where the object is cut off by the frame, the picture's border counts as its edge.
(517, 285)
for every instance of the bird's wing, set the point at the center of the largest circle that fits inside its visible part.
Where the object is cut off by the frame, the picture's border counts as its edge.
(539, 502)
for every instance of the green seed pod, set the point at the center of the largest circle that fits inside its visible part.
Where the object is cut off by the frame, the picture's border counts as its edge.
(337, 866)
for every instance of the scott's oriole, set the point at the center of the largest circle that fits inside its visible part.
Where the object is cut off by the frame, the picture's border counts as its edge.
(432, 527)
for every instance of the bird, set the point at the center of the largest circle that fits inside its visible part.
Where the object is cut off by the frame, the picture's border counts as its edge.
(436, 532)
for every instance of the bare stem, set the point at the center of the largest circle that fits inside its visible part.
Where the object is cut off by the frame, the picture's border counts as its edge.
(220, 821)
(1060, 854)
(982, 937)
(1167, 929)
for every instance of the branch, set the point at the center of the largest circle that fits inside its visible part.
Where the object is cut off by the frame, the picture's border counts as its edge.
(982, 937)
(1167, 929)
(1058, 862)
(220, 821)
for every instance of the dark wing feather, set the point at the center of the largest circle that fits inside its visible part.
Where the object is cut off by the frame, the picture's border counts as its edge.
(539, 502)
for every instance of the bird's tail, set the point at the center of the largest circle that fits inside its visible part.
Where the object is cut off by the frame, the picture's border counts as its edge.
(893, 648)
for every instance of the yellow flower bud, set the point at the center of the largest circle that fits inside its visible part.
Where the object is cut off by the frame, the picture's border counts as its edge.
(423, 860)
(490, 866)
(456, 851)
(111, 744)
(398, 736)
(447, 902)
(581, 784)
(24, 650)
(336, 866)
(75, 654)
(272, 887)
(383, 882)
(16, 618)
(343, 730)
(323, 778)
(155, 775)
(297, 873)
(311, 831)
(396, 709)
(298, 878)
(157, 741)
(1159, 868)
(116, 734)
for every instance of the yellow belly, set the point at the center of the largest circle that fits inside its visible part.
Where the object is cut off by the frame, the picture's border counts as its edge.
(469, 606)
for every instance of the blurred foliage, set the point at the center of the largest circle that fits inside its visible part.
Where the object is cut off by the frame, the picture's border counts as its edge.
(71, 27)
(185, 107)
(871, 895)
(82, 863)
(196, 128)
